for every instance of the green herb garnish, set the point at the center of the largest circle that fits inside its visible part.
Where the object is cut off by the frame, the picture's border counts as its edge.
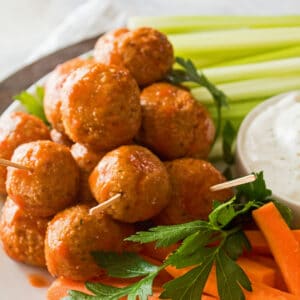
(33, 102)
(217, 242)
(189, 73)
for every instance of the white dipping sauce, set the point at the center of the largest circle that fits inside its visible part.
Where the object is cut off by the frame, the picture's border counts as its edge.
(271, 143)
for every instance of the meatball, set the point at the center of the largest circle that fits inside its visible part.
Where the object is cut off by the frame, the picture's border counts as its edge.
(139, 176)
(51, 185)
(53, 90)
(23, 235)
(71, 237)
(60, 138)
(145, 52)
(174, 125)
(17, 128)
(101, 107)
(191, 198)
(86, 160)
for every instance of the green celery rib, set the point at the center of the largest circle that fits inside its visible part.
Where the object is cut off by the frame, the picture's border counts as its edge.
(235, 40)
(182, 24)
(272, 68)
(266, 56)
(251, 89)
(235, 111)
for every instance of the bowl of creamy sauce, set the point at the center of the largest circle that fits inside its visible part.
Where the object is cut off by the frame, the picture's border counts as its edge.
(269, 141)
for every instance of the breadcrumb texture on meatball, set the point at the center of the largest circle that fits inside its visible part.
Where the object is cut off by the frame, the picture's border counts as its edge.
(139, 176)
(23, 235)
(191, 198)
(52, 184)
(145, 52)
(53, 90)
(73, 234)
(101, 107)
(17, 128)
(86, 160)
(174, 125)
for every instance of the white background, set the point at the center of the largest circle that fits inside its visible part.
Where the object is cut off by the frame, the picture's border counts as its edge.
(31, 28)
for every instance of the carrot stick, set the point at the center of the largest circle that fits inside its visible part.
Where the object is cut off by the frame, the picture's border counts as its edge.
(59, 288)
(257, 271)
(283, 244)
(260, 291)
(259, 243)
(270, 262)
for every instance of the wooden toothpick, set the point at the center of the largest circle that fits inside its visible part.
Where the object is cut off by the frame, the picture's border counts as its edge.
(233, 183)
(8, 163)
(103, 206)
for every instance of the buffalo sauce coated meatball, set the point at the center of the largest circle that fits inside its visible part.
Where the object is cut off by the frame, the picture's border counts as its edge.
(73, 234)
(145, 52)
(53, 90)
(139, 176)
(87, 160)
(60, 138)
(51, 185)
(174, 125)
(191, 198)
(101, 108)
(17, 128)
(23, 235)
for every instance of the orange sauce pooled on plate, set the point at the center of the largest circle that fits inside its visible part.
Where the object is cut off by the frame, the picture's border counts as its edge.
(38, 280)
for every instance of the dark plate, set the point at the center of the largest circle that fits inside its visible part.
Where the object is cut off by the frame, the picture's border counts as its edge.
(28, 75)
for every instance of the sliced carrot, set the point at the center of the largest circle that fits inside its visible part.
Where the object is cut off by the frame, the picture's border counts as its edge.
(59, 288)
(260, 291)
(270, 262)
(283, 244)
(259, 243)
(257, 271)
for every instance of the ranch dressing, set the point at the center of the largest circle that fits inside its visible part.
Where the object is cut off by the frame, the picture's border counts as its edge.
(271, 143)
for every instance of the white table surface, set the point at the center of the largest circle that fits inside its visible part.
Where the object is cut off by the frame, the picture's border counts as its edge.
(31, 28)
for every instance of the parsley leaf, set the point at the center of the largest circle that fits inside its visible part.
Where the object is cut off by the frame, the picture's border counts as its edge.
(192, 251)
(33, 102)
(189, 73)
(167, 235)
(190, 285)
(230, 278)
(123, 265)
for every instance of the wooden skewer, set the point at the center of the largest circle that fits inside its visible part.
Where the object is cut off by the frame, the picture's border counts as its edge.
(233, 183)
(102, 206)
(8, 163)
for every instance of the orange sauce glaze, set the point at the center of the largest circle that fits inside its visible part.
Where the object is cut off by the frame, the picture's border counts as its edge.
(38, 281)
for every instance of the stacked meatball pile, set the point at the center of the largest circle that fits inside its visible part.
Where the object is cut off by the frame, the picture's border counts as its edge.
(116, 128)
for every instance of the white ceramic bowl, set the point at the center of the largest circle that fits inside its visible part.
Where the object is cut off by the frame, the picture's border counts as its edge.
(243, 163)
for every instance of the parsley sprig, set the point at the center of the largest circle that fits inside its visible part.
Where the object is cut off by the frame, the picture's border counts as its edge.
(217, 243)
(189, 73)
(33, 102)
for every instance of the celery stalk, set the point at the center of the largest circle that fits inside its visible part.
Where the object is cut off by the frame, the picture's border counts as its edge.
(271, 55)
(251, 89)
(272, 68)
(235, 41)
(235, 111)
(182, 24)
